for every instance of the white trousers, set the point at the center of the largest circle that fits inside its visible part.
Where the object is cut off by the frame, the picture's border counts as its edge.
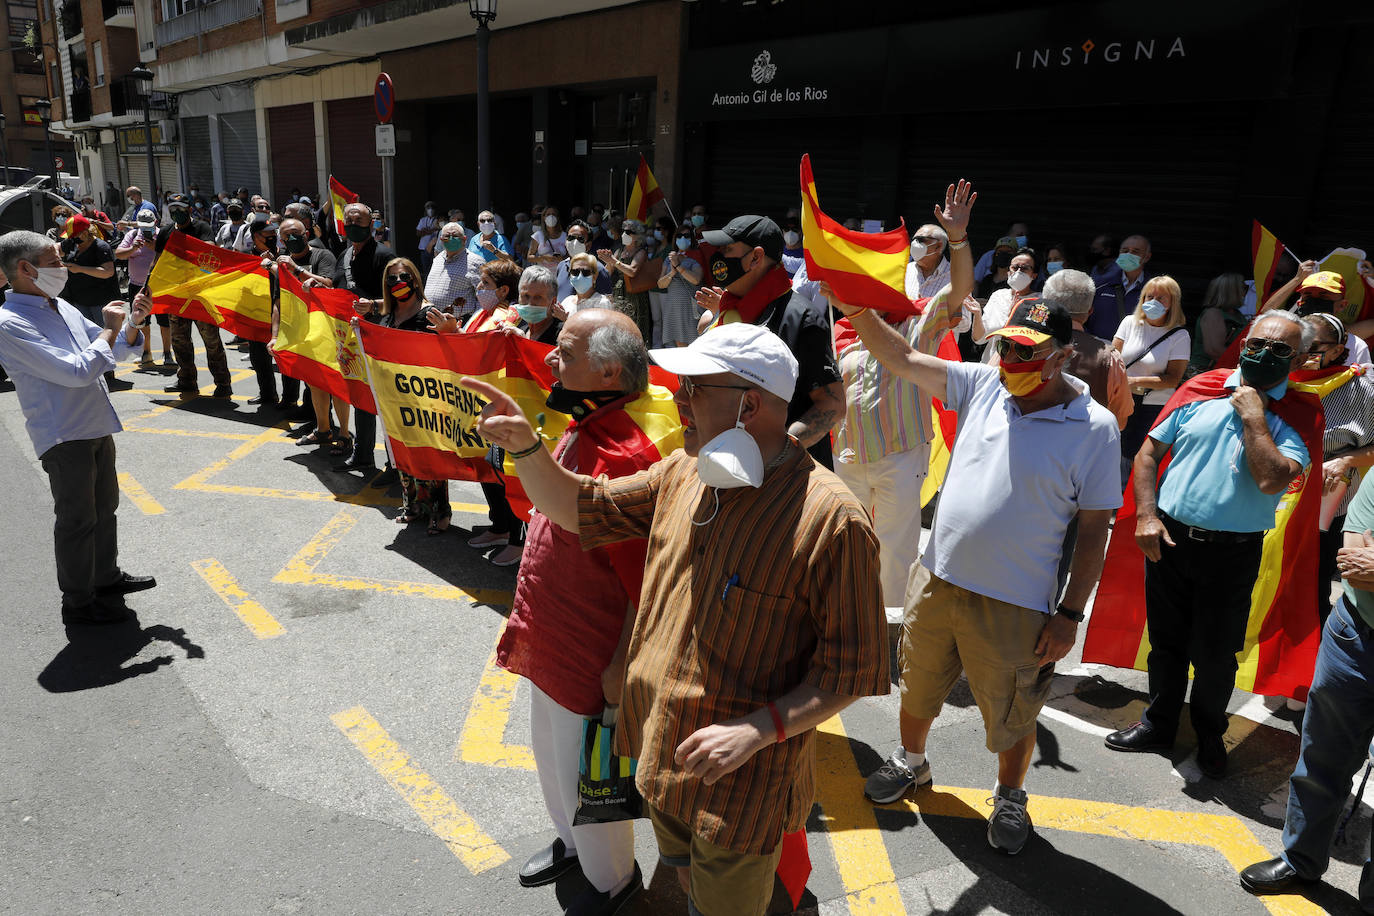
(890, 489)
(606, 852)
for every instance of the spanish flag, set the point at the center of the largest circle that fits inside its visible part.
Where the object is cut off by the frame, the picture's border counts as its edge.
(1265, 249)
(317, 344)
(431, 421)
(203, 282)
(339, 197)
(644, 194)
(1282, 634)
(863, 268)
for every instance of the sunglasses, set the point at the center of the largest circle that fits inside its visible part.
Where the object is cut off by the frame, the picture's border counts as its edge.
(1277, 347)
(579, 272)
(401, 278)
(1004, 347)
(689, 387)
(686, 235)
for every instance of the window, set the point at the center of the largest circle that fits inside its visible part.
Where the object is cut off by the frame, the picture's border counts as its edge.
(23, 16)
(98, 62)
(173, 8)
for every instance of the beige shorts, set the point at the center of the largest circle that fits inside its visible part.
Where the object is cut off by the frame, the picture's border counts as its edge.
(723, 881)
(947, 629)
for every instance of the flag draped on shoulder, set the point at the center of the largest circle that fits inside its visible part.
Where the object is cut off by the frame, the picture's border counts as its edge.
(864, 268)
(431, 421)
(644, 194)
(317, 344)
(203, 282)
(1282, 633)
(339, 197)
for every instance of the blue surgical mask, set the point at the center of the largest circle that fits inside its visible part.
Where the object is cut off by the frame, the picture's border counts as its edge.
(698, 220)
(658, 235)
(581, 284)
(1054, 266)
(1154, 309)
(532, 314)
(683, 244)
(1021, 241)
(1128, 262)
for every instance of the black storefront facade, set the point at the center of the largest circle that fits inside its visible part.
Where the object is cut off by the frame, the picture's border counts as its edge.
(1181, 121)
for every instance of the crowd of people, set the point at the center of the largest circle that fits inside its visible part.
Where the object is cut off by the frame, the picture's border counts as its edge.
(735, 594)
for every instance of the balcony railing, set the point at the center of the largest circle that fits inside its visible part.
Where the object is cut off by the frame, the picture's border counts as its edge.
(213, 15)
(79, 106)
(118, 13)
(70, 16)
(126, 97)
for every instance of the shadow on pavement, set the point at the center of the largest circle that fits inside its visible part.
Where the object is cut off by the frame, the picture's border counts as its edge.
(99, 656)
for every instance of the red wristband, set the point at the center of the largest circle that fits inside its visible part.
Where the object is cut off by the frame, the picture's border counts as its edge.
(959, 241)
(777, 722)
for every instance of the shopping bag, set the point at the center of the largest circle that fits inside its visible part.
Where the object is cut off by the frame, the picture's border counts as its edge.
(605, 781)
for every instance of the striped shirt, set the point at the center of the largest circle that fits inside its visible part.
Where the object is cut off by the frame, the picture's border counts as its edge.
(1349, 416)
(779, 589)
(884, 413)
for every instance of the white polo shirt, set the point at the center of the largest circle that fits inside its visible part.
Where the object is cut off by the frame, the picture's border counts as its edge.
(1014, 484)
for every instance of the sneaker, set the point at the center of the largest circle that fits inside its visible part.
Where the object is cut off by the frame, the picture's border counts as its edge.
(1010, 826)
(487, 539)
(508, 555)
(894, 777)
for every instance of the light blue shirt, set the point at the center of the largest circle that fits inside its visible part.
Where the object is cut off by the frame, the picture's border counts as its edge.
(475, 245)
(58, 363)
(1208, 483)
(1015, 481)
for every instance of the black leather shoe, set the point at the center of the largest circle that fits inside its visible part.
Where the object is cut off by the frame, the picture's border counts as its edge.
(127, 584)
(593, 902)
(222, 391)
(266, 402)
(1268, 877)
(94, 613)
(355, 466)
(1139, 737)
(1211, 757)
(547, 864)
(179, 388)
(386, 478)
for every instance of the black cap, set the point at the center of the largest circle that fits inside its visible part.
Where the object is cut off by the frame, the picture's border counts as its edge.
(1039, 317)
(259, 223)
(757, 231)
(179, 200)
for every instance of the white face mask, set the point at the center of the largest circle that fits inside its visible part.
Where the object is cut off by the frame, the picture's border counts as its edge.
(627, 239)
(791, 239)
(550, 221)
(487, 226)
(918, 250)
(1019, 280)
(576, 247)
(51, 280)
(731, 459)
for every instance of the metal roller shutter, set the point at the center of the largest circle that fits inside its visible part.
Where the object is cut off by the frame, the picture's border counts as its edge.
(291, 145)
(169, 176)
(238, 144)
(136, 169)
(195, 139)
(752, 167)
(1343, 197)
(353, 148)
(109, 163)
(1100, 176)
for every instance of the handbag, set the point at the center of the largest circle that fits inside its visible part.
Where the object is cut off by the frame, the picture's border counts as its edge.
(605, 781)
(645, 278)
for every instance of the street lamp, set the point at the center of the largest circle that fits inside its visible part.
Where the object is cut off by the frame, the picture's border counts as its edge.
(484, 11)
(145, 76)
(44, 108)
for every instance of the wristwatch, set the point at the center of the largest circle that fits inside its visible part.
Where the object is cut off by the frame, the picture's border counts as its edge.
(1075, 616)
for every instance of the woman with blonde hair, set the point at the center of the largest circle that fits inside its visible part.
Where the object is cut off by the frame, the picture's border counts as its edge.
(1154, 344)
(582, 274)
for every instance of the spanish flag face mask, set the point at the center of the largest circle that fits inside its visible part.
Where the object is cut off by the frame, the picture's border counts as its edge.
(1023, 379)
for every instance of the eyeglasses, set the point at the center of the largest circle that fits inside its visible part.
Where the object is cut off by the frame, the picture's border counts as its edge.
(689, 387)
(1023, 352)
(1277, 347)
(579, 272)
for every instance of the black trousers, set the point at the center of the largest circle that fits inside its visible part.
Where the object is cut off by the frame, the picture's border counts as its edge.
(260, 358)
(1197, 602)
(85, 493)
(503, 517)
(364, 438)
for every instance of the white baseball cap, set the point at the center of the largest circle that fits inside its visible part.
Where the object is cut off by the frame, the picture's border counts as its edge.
(749, 351)
(145, 218)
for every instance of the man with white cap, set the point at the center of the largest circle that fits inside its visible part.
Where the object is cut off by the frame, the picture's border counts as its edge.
(760, 615)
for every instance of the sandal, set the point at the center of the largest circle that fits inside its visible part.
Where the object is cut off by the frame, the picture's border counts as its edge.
(404, 519)
(343, 445)
(316, 436)
(438, 525)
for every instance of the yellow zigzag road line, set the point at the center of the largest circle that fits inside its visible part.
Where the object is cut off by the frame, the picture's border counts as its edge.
(139, 496)
(484, 732)
(256, 617)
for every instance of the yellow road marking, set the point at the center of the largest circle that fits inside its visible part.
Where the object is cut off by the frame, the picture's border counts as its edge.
(870, 885)
(198, 479)
(483, 736)
(190, 433)
(139, 496)
(254, 615)
(300, 570)
(464, 838)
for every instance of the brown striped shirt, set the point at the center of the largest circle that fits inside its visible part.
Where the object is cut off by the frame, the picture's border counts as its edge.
(806, 609)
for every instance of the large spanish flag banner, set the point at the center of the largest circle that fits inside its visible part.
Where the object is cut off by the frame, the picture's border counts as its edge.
(644, 194)
(864, 268)
(339, 197)
(203, 282)
(430, 421)
(317, 344)
(1282, 634)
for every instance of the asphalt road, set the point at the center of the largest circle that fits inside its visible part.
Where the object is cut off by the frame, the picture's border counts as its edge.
(305, 719)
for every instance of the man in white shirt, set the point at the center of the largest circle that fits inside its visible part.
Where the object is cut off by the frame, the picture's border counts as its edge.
(928, 270)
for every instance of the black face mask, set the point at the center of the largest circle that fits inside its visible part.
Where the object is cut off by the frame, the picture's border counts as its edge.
(577, 404)
(726, 270)
(296, 244)
(269, 244)
(356, 234)
(1001, 259)
(181, 217)
(1316, 306)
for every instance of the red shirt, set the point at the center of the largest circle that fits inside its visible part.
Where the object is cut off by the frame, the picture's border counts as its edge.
(570, 604)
